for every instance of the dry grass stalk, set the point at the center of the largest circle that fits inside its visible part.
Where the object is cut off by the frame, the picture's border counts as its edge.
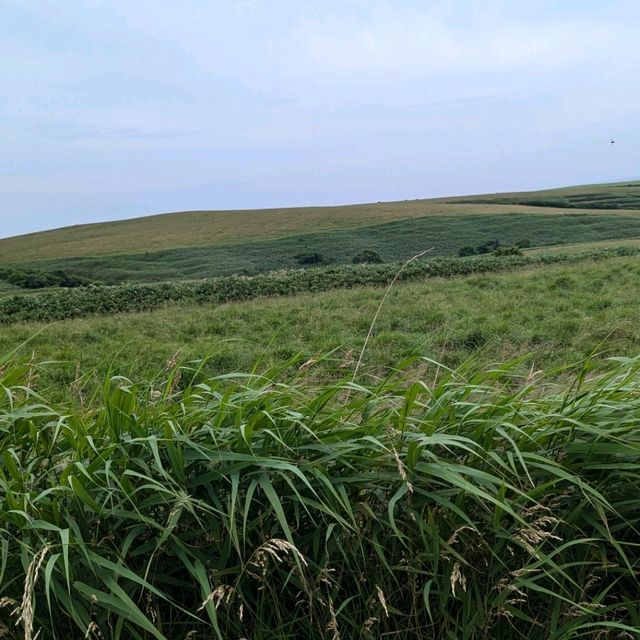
(306, 365)
(27, 607)
(347, 360)
(32, 375)
(93, 630)
(277, 549)
(537, 532)
(76, 386)
(457, 578)
(377, 313)
(222, 593)
(382, 600)
(402, 470)
(332, 626)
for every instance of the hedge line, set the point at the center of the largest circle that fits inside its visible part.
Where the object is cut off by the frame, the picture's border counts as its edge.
(102, 300)
(31, 279)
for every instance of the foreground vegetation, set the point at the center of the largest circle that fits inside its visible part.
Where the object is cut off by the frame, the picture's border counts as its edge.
(479, 506)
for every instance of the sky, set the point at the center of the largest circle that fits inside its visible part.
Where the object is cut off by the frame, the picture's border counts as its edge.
(113, 109)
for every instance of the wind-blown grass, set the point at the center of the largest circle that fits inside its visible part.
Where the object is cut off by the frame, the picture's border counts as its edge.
(481, 505)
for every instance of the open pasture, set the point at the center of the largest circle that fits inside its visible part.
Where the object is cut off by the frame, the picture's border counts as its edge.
(558, 314)
(213, 228)
(392, 241)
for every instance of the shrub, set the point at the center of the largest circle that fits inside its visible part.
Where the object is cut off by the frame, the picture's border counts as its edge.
(41, 279)
(69, 280)
(466, 251)
(508, 251)
(308, 259)
(488, 247)
(367, 256)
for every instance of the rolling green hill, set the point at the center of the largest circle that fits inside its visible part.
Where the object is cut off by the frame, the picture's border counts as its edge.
(208, 228)
(193, 245)
(621, 195)
(393, 241)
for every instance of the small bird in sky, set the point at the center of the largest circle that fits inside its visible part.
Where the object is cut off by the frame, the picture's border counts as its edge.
(613, 142)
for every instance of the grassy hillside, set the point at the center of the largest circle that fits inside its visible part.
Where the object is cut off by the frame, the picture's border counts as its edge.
(623, 195)
(210, 228)
(206, 228)
(558, 314)
(393, 241)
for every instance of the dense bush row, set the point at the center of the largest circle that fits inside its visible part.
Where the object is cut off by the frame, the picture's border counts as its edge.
(585, 201)
(253, 506)
(31, 279)
(495, 247)
(74, 303)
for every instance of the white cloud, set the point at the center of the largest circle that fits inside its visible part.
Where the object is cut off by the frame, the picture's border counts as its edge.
(421, 41)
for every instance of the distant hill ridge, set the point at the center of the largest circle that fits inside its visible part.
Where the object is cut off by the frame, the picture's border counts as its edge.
(209, 228)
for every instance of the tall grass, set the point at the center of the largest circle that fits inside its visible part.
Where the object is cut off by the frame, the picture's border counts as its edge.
(482, 505)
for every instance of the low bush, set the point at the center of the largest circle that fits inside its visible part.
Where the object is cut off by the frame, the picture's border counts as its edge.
(309, 259)
(494, 248)
(467, 251)
(41, 279)
(367, 256)
(488, 247)
(508, 251)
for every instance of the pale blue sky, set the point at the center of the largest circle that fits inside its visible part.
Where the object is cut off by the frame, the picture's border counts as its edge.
(119, 108)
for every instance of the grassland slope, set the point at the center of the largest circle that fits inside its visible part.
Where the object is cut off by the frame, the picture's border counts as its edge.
(392, 241)
(558, 313)
(621, 195)
(209, 228)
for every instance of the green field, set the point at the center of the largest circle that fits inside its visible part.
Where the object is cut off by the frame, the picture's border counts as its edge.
(195, 245)
(556, 314)
(393, 241)
(208, 228)
(448, 448)
(623, 195)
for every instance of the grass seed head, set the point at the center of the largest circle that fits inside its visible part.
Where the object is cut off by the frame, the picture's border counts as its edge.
(457, 578)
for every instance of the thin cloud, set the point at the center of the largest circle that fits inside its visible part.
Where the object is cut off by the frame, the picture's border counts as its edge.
(421, 42)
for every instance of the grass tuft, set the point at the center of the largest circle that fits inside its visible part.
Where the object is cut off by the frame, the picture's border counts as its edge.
(481, 505)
